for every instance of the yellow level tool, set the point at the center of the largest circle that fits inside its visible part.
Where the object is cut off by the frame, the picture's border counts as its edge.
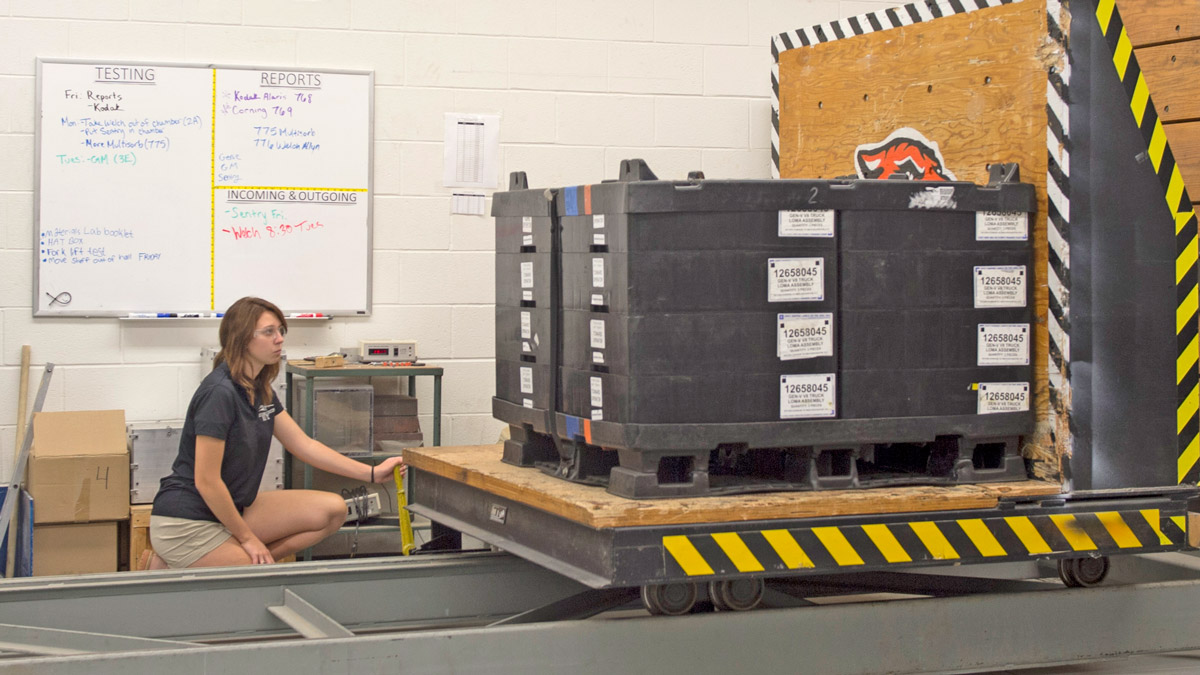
(407, 544)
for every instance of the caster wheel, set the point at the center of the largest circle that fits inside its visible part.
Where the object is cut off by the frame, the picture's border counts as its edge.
(1083, 572)
(670, 599)
(736, 595)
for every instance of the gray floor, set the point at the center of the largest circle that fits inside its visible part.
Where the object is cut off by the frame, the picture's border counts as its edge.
(1178, 662)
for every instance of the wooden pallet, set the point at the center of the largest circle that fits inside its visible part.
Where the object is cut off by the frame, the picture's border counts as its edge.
(480, 466)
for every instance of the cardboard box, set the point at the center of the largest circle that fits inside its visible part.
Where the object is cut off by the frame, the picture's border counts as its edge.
(79, 467)
(74, 549)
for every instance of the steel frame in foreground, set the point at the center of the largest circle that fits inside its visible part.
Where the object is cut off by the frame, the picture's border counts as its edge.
(433, 615)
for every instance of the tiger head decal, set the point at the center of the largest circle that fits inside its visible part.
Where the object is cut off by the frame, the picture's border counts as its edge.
(904, 153)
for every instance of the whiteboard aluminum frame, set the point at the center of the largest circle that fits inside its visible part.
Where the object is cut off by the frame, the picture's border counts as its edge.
(121, 314)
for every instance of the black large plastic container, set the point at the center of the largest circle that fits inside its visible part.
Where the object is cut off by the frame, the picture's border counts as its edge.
(525, 298)
(678, 297)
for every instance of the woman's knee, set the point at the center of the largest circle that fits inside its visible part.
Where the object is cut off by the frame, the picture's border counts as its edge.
(335, 509)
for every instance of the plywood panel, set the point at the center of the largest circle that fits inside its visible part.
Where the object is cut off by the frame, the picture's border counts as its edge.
(946, 78)
(480, 466)
(1172, 73)
(974, 83)
(1185, 145)
(1154, 21)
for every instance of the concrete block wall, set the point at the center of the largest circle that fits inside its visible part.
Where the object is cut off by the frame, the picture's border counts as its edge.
(579, 86)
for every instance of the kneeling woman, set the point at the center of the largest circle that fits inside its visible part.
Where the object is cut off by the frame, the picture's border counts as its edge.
(209, 512)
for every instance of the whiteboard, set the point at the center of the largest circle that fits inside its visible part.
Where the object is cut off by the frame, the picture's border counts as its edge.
(177, 189)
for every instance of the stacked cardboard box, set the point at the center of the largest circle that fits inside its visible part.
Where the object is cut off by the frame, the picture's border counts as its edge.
(79, 480)
(396, 423)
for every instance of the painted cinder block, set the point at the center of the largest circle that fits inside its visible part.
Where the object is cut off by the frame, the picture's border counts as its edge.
(456, 61)
(299, 13)
(656, 68)
(605, 120)
(720, 123)
(712, 22)
(561, 65)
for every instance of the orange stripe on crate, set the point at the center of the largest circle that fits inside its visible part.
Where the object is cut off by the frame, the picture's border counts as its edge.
(587, 431)
(587, 200)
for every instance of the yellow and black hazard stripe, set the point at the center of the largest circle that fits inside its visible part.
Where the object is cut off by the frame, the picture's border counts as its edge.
(1146, 115)
(875, 545)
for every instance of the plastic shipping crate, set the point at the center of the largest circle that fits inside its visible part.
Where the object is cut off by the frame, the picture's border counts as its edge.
(342, 415)
(827, 315)
(152, 451)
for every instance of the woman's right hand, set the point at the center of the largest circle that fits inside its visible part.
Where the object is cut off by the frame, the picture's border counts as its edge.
(258, 552)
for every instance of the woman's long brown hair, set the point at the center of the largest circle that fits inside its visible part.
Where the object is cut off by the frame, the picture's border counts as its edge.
(236, 332)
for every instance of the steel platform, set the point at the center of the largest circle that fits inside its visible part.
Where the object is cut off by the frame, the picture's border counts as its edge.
(492, 612)
(557, 525)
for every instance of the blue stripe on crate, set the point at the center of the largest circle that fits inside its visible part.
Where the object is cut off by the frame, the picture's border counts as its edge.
(574, 424)
(571, 201)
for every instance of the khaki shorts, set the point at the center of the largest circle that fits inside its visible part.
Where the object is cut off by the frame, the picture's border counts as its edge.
(181, 542)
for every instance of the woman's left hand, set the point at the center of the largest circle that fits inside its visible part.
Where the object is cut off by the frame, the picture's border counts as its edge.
(385, 469)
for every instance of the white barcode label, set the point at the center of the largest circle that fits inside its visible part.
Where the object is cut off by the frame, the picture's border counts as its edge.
(599, 239)
(527, 240)
(526, 325)
(597, 299)
(1003, 344)
(527, 402)
(598, 357)
(803, 396)
(1000, 286)
(795, 279)
(1002, 397)
(527, 295)
(598, 221)
(812, 223)
(597, 331)
(527, 275)
(597, 393)
(597, 414)
(1001, 226)
(598, 272)
(804, 336)
(525, 346)
(527, 224)
(526, 380)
